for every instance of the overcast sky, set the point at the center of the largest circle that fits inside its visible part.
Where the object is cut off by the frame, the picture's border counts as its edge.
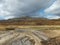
(37, 8)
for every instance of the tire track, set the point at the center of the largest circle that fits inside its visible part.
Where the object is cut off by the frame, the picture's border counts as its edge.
(23, 37)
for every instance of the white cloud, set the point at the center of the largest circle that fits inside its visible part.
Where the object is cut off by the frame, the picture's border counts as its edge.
(9, 17)
(53, 17)
(54, 9)
(18, 8)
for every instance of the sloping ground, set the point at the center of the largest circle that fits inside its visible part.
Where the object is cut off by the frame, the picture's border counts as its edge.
(52, 41)
(52, 33)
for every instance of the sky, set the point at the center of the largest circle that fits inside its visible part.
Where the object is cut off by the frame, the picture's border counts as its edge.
(35, 8)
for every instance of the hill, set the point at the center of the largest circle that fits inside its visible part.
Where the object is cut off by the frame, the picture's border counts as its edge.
(30, 21)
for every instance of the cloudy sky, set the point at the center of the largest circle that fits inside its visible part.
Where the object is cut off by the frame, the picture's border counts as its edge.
(36, 8)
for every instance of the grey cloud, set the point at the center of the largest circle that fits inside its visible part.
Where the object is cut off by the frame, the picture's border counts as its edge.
(16, 8)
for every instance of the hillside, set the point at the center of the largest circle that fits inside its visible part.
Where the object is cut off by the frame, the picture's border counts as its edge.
(30, 21)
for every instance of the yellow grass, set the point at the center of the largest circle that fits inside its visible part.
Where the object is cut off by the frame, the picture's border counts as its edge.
(42, 27)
